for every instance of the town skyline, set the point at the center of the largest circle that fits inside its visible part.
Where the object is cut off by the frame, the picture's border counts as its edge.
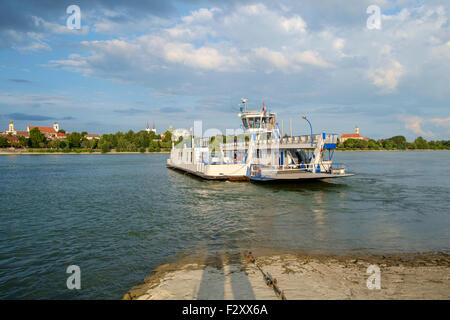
(55, 132)
(180, 61)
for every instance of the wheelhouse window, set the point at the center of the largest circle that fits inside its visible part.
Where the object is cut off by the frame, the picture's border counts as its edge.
(245, 123)
(257, 122)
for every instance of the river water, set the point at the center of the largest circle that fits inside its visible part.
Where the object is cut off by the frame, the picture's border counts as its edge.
(119, 216)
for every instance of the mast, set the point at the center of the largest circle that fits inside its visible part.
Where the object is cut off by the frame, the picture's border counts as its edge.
(290, 126)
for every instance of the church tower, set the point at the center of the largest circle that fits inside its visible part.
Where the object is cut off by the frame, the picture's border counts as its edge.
(356, 130)
(154, 128)
(11, 128)
(147, 127)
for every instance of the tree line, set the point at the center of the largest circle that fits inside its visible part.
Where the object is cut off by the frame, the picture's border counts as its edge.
(130, 141)
(394, 143)
(135, 142)
(143, 141)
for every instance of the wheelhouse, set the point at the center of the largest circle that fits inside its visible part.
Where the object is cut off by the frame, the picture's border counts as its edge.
(257, 120)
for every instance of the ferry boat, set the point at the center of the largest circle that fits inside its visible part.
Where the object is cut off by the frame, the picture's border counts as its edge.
(259, 154)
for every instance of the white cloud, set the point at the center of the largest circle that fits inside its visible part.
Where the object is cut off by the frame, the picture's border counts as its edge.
(147, 54)
(286, 62)
(205, 58)
(338, 44)
(275, 59)
(312, 58)
(56, 28)
(387, 77)
(442, 122)
(414, 124)
(25, 41)
(120, 22)
(39, 38)
(253, 10)
(294, 24)
(200, 16)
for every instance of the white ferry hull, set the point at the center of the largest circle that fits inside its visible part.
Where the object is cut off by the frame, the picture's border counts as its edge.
(293, 177)
(212, 171)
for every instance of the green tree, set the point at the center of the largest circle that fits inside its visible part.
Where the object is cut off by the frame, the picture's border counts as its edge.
(23, 141)
(74, 140)
(421, 143)
(399, 142)
(122, 144)
(129, 136)
(388, 144)
(214, 143)
(105, 146)
(62, 144)
(142, 139)
(107, 138)
(94, 144)
(37, 138)
(54, 144)
(154, 146)
(373, 145)
(361, 144)
(3, 142)
(349, 143)
(167, 136)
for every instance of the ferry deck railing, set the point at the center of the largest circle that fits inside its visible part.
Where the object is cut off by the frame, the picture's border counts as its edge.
(264, 142)
(296, 142)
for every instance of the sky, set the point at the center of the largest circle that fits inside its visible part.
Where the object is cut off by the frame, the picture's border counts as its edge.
(175, 62)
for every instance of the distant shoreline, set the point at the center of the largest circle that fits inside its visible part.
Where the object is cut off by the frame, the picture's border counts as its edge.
(9, 153)
(384, 150)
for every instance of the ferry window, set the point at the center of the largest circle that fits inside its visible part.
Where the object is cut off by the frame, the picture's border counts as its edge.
(257, 123)
(251, 123)
(245, 122)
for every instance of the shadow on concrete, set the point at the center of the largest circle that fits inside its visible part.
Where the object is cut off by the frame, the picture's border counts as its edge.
(225, 269)
(212, 285)
(240, 285)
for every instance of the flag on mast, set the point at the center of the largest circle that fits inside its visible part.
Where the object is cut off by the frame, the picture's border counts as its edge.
(264, 109)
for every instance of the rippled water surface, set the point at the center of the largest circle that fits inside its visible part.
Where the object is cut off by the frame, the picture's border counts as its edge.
(120, 216)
